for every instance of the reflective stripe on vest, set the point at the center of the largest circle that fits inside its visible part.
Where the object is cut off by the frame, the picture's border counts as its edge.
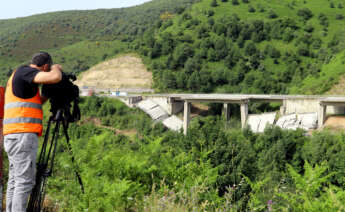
(23, 104)
(22, 120)
(22, 115)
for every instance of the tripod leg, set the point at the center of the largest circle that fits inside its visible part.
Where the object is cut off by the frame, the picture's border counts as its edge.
(43, 170)
(72, 157)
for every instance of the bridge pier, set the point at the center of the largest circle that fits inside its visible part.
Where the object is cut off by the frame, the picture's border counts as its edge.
(321, 114)
(186, 116)
(226, 111)
(244, 113)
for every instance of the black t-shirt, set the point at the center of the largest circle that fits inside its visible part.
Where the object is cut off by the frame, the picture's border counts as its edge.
(22, 85)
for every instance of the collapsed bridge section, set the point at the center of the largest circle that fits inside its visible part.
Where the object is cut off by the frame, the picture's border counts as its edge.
(296, 111)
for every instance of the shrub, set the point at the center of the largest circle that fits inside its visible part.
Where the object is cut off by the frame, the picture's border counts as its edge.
(214, 3)
(251, 9)
(339, 16)
(235, 2)
(305, 13)
(272, 14)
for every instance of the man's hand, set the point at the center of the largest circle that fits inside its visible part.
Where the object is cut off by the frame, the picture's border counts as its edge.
(51, 77)
(56, 66)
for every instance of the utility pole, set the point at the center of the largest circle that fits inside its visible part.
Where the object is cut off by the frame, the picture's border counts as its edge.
(2, 100)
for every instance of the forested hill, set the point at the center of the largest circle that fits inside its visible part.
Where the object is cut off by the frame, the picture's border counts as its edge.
(227, 46)
(62, 32)
(250, 46)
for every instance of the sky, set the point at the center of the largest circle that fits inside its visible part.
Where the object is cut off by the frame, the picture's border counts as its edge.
(22, 8)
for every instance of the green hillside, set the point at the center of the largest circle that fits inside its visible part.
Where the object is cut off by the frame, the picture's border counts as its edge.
(228, 46)
(77, 32)
(249, 46)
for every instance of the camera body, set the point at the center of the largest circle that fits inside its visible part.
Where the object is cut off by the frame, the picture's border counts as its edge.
(61, 95)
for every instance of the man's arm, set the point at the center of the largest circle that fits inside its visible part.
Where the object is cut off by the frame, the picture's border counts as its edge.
(51, 77)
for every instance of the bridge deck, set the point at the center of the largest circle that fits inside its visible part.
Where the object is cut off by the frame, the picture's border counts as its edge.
(247, 97)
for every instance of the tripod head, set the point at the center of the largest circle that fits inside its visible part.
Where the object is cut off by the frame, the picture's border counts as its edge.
(64, 113)
(62, 95)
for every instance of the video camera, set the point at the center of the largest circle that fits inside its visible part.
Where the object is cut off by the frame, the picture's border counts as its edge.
(61, 95)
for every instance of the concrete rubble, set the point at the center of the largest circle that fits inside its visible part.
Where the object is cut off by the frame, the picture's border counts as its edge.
(258, 122)
(306, 121)
(158, 114)
(173, 123)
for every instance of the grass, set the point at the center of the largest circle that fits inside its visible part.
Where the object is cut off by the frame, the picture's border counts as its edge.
(329, 76)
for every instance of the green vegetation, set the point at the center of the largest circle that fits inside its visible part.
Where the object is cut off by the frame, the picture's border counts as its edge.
(129, 163)
(196, 46)
(212, 168)
(59, 31)
(248, 47)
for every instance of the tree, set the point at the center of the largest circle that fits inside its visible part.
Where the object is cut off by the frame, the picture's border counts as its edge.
(272, 14)
(235, 2)
(288, 34)
(182, 53)
(156, 50)
(250, 49)
(309, 28)
(168, 43)
(303, 50)
(233, 57)
(218, 76)
(339, 16)
(221, 48)
(323, 19)
(193, 82)
(305, 13)
(192, 65)
(169, 80)
(317, 42)
(214, 3)
(251, 9)
(211, 55)
(331, 5)
(210, 13)
(219, 29)
(181, 80)
(272, 51)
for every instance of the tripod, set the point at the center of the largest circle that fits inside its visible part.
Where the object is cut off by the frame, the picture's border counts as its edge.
(45, 162)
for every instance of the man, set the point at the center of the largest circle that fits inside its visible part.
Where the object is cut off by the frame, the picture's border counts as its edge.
(22, 125)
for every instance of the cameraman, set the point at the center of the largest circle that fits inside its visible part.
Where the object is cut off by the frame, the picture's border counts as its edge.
(22, 125)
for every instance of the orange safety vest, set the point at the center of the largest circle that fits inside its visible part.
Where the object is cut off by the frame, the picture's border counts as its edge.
(22, 115)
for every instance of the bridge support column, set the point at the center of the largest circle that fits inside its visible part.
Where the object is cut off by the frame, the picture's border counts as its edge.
(321, 114)
(226, 111)
(186, 116)
(244, 113)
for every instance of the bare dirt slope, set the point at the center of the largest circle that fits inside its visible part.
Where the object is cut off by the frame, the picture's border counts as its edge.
(126, 71)
(335, 122)
(339, 88)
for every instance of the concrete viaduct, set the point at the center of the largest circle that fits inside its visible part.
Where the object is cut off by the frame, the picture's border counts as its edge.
(175, 103)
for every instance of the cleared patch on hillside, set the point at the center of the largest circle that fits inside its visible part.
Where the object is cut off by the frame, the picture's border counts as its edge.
(126, 71)
(339, 88)
(335, 123)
